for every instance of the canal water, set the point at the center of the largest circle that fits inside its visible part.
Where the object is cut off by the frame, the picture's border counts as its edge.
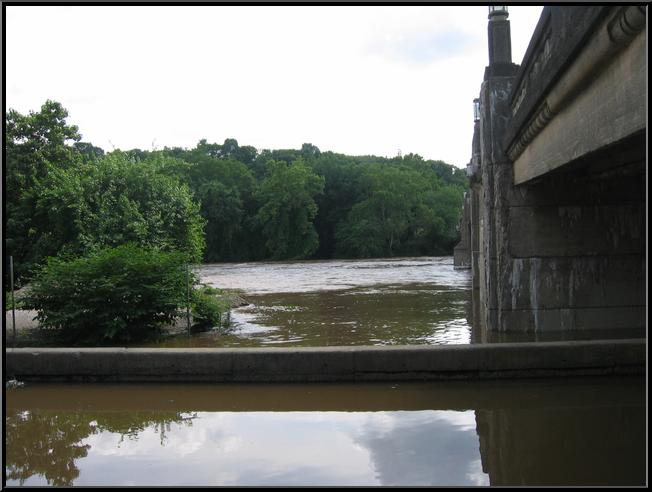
(589, 431)
(404, 301)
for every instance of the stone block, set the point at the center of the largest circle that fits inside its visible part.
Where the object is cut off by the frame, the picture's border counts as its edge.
(567, 282)
(567, 319)
(576, 231)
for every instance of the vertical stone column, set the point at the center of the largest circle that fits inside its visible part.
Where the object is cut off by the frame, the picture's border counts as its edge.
(496, 170)
(475, 192)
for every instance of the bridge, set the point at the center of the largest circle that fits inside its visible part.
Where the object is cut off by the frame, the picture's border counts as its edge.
(554, 223)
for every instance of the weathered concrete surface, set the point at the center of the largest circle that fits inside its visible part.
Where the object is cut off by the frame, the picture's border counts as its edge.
(500, 360)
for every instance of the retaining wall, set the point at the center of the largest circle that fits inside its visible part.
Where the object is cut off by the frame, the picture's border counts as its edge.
(481, 361)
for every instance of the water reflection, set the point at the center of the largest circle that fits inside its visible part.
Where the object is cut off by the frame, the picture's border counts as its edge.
(50, 443)
(432, 448)
(589, 431)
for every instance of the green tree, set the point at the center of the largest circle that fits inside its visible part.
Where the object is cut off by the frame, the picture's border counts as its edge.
(88, 150)
(342, 190)
(223, 210)
(114, 202)
(225, 189)
(34, 144)
(405, 210)
(377, 224)
(288, 208)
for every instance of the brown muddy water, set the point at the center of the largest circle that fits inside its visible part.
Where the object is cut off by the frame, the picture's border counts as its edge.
(589, 431)
(396, 301)
(402, 301)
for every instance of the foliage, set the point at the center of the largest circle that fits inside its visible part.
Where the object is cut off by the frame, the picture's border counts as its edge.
(49, 443)
(288, 208)
(18, 301)
(219, 202)
(342, 188)
(113, 202)
(208, 307)
(115, 295)
(34, 144)
(406, 210)
(226, 190)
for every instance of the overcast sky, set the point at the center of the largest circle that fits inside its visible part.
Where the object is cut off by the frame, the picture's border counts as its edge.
(357, 80)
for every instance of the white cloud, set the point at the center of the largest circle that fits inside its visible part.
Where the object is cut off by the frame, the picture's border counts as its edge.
(357, 80)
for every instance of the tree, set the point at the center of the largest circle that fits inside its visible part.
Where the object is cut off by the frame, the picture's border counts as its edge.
(288, 208)
(377, 224)
(223, 210)
(405, 210)
(88, 150)
(342, 190)
(225, 189)
(116, 201)
(34, 144)
(309, 151)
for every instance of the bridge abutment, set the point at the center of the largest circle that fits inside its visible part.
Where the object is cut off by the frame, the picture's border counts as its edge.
(565, 249)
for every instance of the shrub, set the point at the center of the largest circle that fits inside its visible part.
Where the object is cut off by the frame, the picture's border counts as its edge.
(115, 295)
(208, 307)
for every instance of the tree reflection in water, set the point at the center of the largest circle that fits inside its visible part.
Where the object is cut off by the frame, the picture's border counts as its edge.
(48, 443)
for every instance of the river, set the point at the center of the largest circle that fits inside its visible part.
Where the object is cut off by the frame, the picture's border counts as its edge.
(564, 431)
(401, 301)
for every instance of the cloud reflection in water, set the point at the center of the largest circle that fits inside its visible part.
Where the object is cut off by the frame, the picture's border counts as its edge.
(290, 448)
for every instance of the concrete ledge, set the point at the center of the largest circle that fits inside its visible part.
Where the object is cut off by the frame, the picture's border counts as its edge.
(497, 360)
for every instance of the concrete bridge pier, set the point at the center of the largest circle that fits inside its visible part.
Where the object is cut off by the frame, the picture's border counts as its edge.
(557, 193)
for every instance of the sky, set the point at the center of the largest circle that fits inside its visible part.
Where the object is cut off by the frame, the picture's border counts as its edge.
(359, 80)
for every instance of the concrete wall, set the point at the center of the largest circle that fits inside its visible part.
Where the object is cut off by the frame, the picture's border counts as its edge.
(328, 363)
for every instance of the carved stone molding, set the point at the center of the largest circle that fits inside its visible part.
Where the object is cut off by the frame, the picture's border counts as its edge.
(540, 120)
(626, 24)
(621, 28)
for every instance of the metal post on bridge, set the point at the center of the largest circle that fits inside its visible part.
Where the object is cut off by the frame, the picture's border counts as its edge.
(13, 302)
(188, 297)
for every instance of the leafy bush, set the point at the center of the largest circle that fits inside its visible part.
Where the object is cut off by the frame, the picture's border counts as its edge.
(115, 295)
(17, 299)
(208, 307)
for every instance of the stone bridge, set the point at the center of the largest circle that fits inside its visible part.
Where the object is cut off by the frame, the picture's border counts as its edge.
(554, 223)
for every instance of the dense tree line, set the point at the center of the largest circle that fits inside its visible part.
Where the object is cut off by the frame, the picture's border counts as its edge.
(218, 202)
